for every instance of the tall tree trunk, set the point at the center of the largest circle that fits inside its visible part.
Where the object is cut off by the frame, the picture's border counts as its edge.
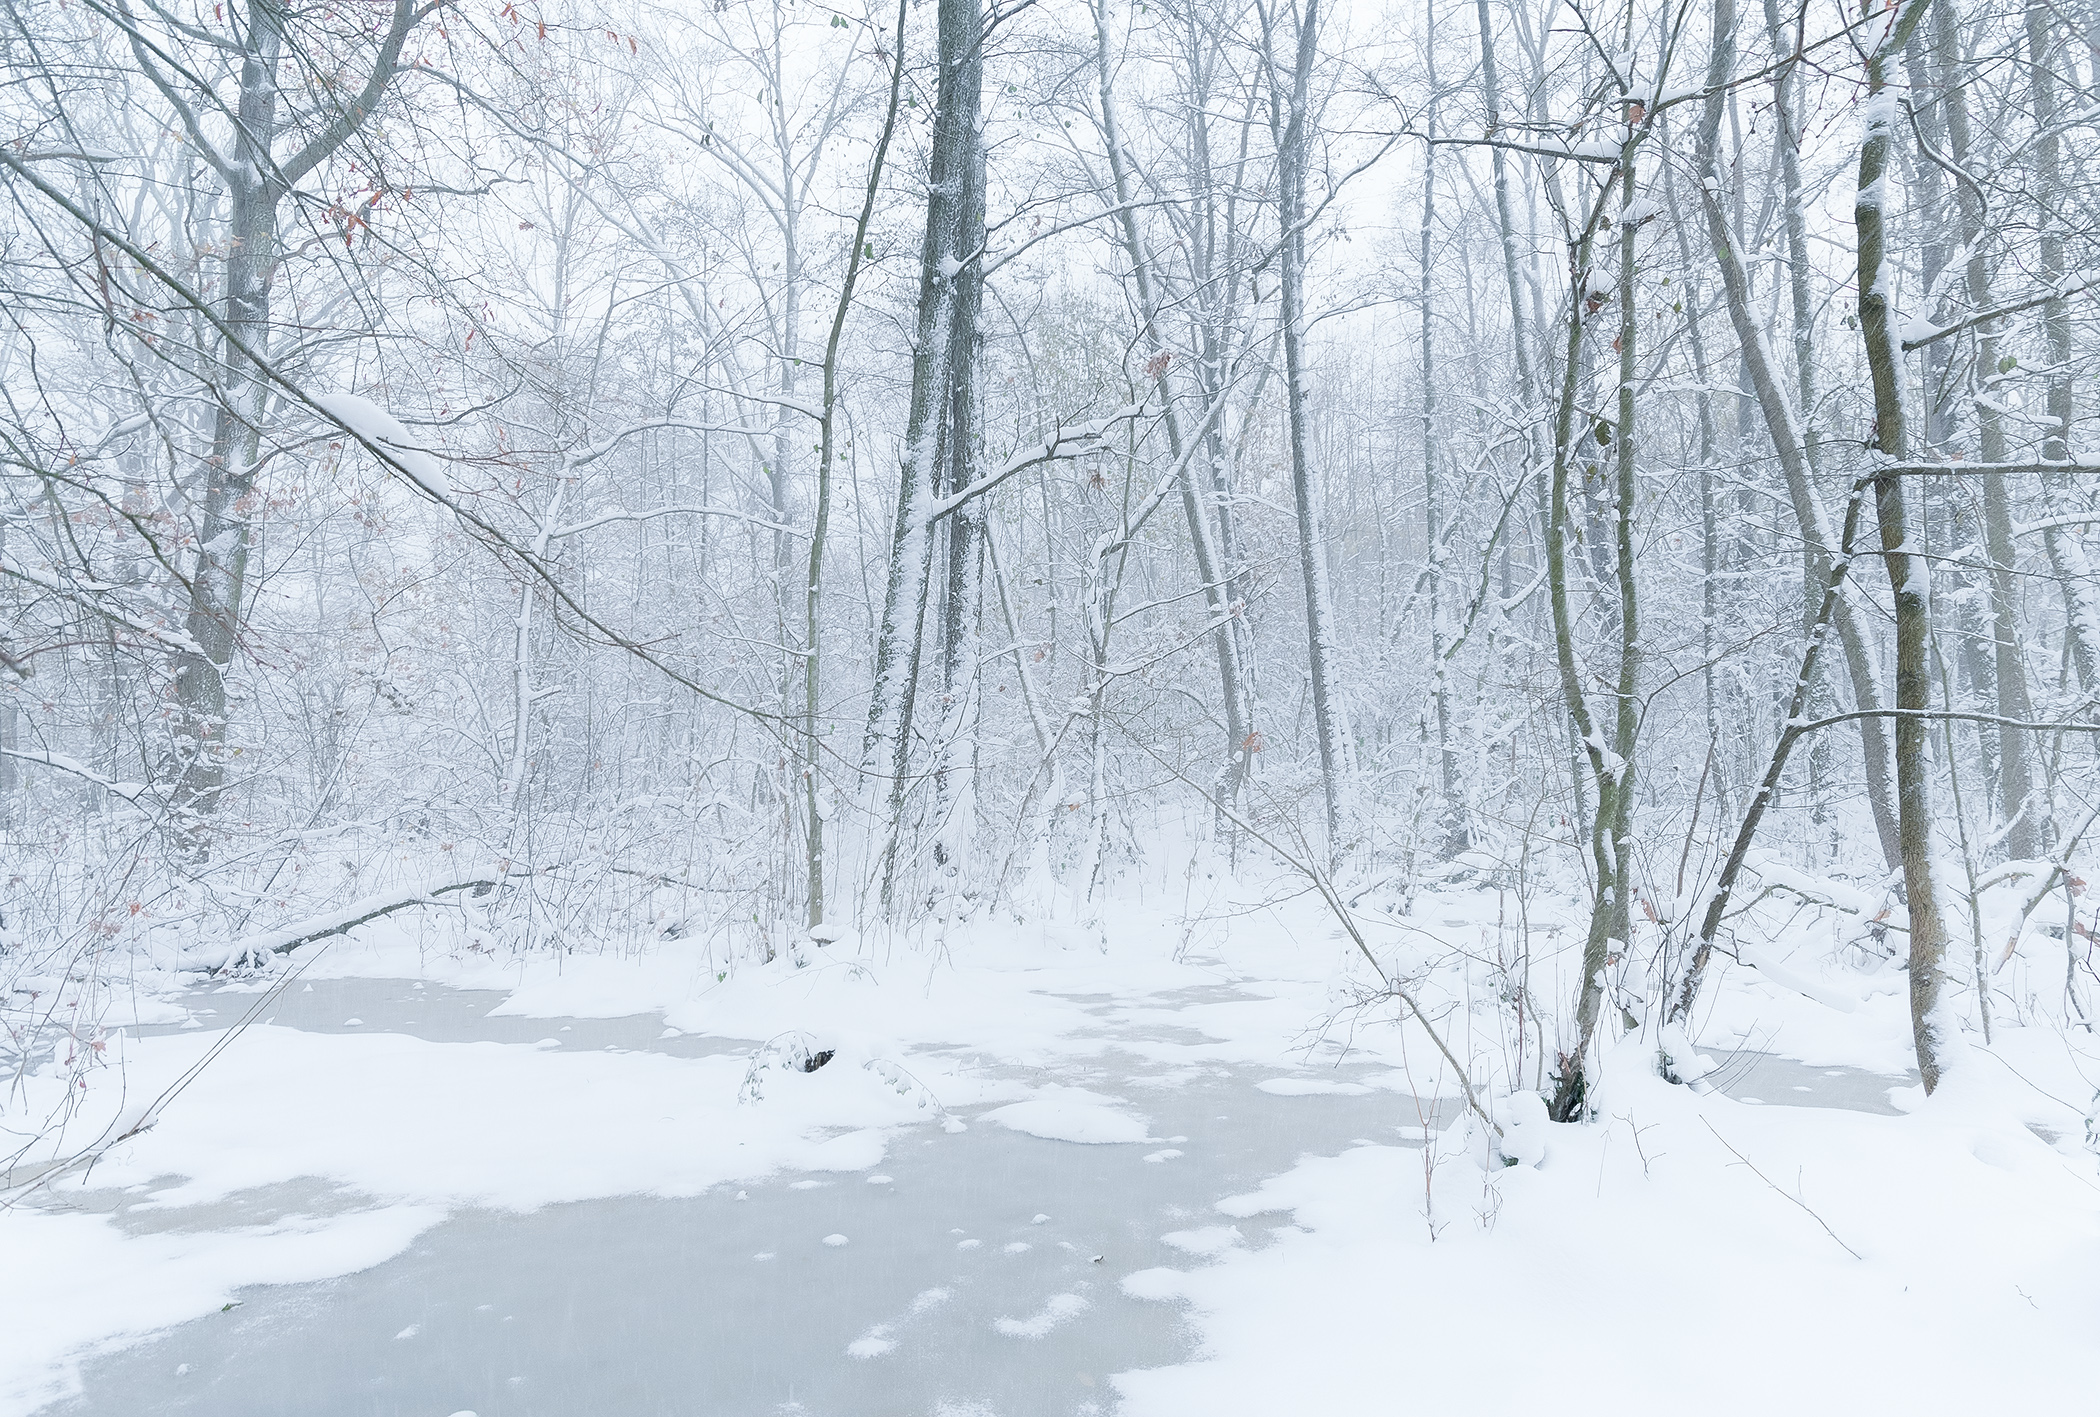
(218, 581)
(1610, 759)
(2067, 559)
(2023, 809)
(1505, 225)
(1452, 837)
(1211, 568)
(951, 279)
(1709, 529)
(1289, 120)
(256, 180)
(815, 864)
(1949, 505)
(1931, 1027)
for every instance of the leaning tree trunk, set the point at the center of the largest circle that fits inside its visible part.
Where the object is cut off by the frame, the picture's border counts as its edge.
(1211, 568)
(1783, 423)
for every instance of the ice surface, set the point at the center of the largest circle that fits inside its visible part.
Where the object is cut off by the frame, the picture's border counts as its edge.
(702, 1302)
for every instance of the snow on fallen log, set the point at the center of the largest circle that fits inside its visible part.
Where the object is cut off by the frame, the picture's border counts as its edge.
(1817, 890)
(286, 938)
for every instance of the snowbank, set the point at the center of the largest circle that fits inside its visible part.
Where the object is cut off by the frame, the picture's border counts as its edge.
(1685, 1253)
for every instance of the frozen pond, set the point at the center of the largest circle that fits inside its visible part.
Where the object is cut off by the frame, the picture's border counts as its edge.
(973, 1273)
(980, 1272)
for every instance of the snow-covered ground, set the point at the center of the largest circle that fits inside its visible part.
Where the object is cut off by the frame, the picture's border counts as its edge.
(1185, 1173)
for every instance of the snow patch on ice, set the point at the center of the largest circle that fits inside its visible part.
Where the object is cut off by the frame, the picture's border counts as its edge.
(1311, 1087)
(1075, 1118)
(1209, 1240)
(872, 1344)
(1058, 1309)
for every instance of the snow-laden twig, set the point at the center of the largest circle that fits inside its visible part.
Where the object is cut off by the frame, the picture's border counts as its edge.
(794, 1050)
(902, 1083)
(1073, 441)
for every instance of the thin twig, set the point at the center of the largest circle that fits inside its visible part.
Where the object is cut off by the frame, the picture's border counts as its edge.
(1795, 1199)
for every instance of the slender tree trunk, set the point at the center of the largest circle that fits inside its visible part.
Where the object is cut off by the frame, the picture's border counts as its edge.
(12, 809)
(827, 456)
(1196, 509)
(1290, 121)
(2067, 559)
(2024, 811)
(1608, 769)
(1505, 225)
(1794, 215)
(1709, 530)
(1907, 568)
(1451, 818)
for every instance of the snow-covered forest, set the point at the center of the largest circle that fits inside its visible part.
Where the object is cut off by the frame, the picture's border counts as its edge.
(1485, 591)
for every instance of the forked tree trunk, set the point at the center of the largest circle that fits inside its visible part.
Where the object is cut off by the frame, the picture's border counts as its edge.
(256, 180)
(951, 280)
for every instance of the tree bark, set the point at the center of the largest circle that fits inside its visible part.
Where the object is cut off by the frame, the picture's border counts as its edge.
(2024, 811)
(1289, 120)
(1931, 1028)
(815, 864)
(2067, 559)
(1452, 836)
(951, 280)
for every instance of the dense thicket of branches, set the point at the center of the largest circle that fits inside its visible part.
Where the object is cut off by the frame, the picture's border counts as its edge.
(758, 470)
